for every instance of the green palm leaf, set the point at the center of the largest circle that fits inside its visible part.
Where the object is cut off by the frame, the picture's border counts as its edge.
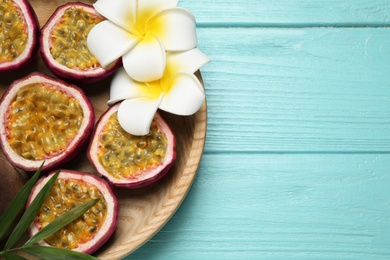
(17, 204)
(61, 222)
(54, 253)
(11, 256)
(31, 212)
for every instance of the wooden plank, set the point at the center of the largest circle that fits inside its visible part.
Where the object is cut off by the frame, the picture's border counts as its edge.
(289, 13)
(297, 90)
(286, 206)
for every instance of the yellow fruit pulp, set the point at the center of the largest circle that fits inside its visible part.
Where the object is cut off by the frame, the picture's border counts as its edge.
(69, 39)
(125, 155)
(13, 31)
(65, 195)
(41, 121)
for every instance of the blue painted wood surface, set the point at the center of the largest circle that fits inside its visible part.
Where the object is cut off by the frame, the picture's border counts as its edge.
(297, 157)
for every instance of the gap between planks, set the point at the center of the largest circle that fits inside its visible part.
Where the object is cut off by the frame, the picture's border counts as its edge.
(289, 25)
(219, 152)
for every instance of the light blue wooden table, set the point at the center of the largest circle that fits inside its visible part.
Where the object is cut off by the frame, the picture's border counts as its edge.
(297, 157)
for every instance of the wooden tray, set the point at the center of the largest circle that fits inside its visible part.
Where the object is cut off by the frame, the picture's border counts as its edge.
(142, 211)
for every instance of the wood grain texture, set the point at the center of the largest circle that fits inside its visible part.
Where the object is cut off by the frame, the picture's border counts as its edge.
(280, 13)
(286, 206)
(289, 13)
(296, 162)
(297, 90)
(142, 211)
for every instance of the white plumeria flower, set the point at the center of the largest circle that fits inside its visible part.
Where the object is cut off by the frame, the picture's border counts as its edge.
(178, 92)
(141, 31)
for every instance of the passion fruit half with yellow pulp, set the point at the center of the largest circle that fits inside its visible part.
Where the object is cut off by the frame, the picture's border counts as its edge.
(19, 33)
(63, 44)
(44, 120)
(127, 160)
(91, 230)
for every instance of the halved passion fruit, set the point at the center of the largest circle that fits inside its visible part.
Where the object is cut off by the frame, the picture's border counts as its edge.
(44, 119)
(63, 44)
(19, 29)
(91, 230)
(131, 161)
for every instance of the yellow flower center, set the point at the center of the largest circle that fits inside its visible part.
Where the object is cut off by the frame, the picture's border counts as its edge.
(143, 27)
(163, 85)
(154, 89)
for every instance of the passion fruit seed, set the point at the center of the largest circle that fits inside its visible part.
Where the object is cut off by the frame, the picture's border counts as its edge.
(41, 121)
(65, 195)
(125, 155)
(13, 32)
(69, 39)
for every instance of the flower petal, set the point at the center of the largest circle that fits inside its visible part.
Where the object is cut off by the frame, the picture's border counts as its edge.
(146, 61)
(122, 13)
(175, 27)
(136, 115)
(189, 61)
(108, 42)
(123, 87)
(185, 97)
(148, 8)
